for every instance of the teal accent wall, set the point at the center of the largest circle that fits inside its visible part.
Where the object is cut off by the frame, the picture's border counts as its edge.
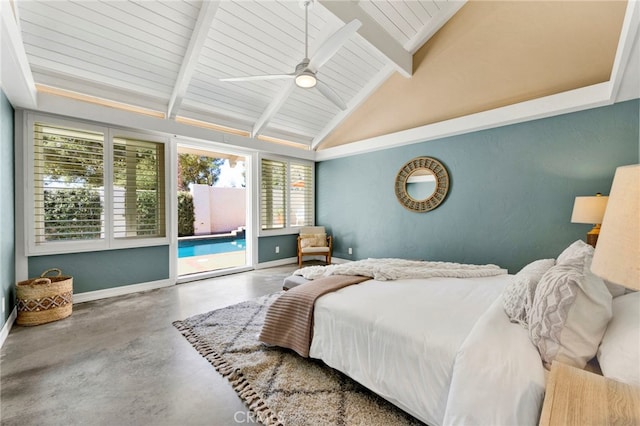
(267, 247)
(100, 270)
(510, 198)
(7, 208)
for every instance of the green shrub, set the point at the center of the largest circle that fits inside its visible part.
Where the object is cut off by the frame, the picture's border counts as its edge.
(72, 214)
(186, 214)
(147, 213)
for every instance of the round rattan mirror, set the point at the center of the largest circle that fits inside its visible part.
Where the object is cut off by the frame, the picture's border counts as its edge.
(422, 184)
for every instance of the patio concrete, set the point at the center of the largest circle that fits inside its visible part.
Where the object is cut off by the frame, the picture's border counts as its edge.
(211, 262)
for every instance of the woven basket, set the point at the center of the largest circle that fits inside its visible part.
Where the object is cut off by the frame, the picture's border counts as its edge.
(45, 299)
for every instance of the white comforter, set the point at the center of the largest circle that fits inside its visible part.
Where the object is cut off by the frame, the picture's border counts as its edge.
(442, 349)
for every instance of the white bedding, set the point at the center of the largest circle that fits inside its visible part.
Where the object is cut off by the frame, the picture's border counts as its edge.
(412, 342)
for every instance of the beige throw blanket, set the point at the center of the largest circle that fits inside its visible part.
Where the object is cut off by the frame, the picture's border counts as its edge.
(289, 320)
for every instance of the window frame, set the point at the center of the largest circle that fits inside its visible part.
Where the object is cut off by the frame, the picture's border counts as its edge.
(109, 242)
(288, 229)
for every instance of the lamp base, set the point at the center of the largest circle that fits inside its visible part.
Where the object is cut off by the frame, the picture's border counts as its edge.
(592, 236)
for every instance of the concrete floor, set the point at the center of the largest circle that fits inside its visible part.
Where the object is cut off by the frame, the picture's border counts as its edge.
(120, 361)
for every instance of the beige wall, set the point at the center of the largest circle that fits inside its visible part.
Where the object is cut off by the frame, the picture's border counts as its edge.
(218, 210)
(228, 209)
(492, 54)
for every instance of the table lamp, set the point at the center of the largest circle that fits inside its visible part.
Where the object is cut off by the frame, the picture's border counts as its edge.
(590, 210)
(617, 256)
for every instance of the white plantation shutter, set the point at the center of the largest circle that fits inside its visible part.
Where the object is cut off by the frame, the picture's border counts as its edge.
(273, 194)
(138, 189)
(68, 184)
(301, 190)
(286, 194)
(87, 190)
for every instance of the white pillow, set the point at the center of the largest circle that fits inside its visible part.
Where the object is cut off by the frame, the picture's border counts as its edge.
(517, 296)
(576, 250)
(570, 311)
(619, 352)
(579, 249)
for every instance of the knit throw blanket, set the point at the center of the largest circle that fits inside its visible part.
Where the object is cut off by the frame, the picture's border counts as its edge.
(397, 269)
(289, 320)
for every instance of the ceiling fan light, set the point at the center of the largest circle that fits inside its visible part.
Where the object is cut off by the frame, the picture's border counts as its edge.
(306, 80)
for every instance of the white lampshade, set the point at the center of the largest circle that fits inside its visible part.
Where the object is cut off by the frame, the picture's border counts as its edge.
(589, 209)
(617, 255)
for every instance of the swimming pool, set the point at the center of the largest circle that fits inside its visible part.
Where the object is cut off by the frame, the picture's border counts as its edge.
(188, 248)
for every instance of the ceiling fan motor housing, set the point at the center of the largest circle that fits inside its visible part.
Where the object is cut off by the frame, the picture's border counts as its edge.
(305, 78)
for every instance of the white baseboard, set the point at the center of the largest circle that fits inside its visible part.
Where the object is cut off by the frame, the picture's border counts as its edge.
(119, 291)
(6, 328)
(339, 260)
(294, 260)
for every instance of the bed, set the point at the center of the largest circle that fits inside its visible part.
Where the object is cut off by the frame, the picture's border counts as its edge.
(405, 348)
(448, 350)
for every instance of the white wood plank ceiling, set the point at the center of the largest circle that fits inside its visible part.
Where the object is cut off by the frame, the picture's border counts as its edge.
(169, 55)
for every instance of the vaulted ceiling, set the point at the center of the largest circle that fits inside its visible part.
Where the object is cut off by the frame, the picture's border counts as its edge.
(169, 56)
(491, 55)
(382, 58)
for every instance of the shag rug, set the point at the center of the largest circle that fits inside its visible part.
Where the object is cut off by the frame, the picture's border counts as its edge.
(277, 385)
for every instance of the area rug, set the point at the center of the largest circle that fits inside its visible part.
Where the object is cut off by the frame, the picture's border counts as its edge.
(278, 386)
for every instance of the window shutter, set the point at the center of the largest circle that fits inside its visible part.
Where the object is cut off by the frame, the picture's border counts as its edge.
(273, 194)
(68, 184)
(138, 188)
(301, 190)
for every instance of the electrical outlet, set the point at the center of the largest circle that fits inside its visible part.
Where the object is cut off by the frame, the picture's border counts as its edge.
(350, 250)
(277, 249)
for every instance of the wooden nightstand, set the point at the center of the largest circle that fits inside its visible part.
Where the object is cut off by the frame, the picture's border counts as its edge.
(578, 397)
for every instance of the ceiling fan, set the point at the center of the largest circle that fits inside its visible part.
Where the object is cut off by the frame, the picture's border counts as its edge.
(305, 73)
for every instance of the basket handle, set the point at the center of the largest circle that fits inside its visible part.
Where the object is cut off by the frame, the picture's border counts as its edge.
(44, 274)
(41, 281)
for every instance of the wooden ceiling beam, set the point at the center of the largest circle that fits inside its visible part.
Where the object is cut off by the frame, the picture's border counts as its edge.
(373, 33)
(16, 78)
(273, 108)
(629, 38)
(190, 61)
(449, 9)
(357, 100)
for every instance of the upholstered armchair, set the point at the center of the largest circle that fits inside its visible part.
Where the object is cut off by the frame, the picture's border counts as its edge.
(314, 241)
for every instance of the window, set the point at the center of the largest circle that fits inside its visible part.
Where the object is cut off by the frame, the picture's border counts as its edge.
(138, 188)
(92, 191)
(286, 194)
(301, 194)
(68, 182)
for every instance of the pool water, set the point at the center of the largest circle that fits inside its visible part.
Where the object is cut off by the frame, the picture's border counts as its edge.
(203, 247)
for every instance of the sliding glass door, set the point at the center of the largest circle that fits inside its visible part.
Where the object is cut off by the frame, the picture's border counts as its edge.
(213, 205)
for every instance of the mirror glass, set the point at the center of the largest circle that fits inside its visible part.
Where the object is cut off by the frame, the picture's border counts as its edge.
(421, 184)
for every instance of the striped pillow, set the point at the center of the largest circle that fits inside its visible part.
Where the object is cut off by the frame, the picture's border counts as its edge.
(570, 312)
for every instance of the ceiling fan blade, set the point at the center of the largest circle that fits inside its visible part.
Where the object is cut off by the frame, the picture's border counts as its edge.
(259, 77)
(333, 44)
(330, 94)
